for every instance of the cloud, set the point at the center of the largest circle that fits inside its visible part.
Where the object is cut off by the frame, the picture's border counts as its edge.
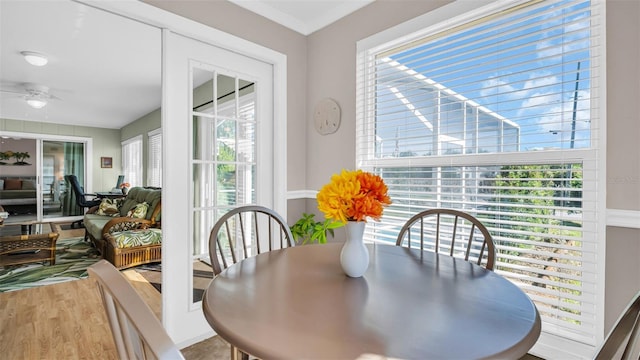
(558, 117)
(494, 86)
(538, 89)
(572, 37)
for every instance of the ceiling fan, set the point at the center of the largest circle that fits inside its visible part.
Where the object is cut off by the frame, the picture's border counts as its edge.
(37, 96)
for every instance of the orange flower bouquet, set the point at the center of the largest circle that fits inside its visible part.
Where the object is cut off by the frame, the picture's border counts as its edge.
(350, 198)
(353, 196)
(125, 188)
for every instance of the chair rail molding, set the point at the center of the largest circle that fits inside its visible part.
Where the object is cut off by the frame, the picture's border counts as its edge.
(623, 218)
(301, 194)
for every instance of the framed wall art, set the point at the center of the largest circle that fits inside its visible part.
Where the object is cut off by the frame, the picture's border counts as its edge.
(106, 162)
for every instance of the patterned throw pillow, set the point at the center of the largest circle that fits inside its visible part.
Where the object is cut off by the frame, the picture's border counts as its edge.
(109, 207)
(139, 211)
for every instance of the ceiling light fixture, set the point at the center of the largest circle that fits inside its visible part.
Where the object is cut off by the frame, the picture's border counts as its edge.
(34, 58)
(37, 95)
(36, 103)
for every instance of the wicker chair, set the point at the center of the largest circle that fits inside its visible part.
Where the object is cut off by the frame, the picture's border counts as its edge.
(103, 229)
(453, 232)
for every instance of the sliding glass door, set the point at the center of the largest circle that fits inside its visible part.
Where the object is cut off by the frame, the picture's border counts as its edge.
(34, 171)
(60, 158)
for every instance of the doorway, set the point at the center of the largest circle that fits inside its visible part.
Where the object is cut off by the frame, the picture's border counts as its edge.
(182, 317)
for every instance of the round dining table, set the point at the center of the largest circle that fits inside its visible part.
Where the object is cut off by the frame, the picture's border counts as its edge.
(297, 303)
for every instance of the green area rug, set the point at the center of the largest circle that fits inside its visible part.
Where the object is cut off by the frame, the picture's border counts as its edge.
(73, 257)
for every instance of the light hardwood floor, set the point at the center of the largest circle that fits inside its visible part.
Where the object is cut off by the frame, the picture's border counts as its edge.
(62, 321)
(68, 321)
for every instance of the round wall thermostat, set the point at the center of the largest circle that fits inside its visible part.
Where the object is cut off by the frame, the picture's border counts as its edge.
(327, 116)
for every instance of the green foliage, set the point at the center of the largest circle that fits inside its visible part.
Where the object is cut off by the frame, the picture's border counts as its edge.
(21, 156)
(532, 194)
(226, 172)
(309, 230)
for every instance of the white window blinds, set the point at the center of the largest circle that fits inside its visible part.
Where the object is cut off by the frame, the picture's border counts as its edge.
(132, 161)
(154, 159)
(496, 113)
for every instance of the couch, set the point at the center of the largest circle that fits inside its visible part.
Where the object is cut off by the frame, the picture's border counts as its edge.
(127, 231)
(17, 191)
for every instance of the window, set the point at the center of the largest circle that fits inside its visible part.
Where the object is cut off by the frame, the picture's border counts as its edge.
(495, 112)
(154, 161)
(132, 161)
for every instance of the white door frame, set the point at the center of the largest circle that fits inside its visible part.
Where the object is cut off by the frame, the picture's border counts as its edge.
(184, 323)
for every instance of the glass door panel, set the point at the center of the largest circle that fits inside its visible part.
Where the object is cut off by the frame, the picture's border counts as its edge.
(18, 178)
(61, 158)
(224, 148)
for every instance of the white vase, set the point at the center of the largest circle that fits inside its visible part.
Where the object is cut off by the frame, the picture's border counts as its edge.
(354, 256)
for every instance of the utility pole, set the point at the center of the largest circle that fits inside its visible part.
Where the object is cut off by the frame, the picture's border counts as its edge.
(575, 108)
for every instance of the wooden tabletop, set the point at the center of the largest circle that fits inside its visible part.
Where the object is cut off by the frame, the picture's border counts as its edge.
(297, 303)
(24, 229)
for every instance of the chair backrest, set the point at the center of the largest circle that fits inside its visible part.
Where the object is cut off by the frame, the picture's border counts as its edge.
(77, 189)
(623, 337)
(137, 332)
(449, 231)
(79, 193)
(244, 232)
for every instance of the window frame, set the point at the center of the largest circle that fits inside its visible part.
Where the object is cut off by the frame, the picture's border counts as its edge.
(154, 157)
(450, 16)
(132, 172)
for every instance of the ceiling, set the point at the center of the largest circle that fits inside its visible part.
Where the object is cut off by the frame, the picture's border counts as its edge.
(303, 16)
(105, 70)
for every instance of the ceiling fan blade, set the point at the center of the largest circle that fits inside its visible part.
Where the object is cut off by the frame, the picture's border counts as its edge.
(13, 92)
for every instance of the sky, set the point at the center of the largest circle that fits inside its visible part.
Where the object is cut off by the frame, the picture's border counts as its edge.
(523, 68)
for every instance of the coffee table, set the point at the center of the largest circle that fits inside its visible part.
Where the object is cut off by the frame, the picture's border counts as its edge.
(27, 242)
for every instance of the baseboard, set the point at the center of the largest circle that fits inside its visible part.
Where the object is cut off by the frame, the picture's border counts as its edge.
(195, 340)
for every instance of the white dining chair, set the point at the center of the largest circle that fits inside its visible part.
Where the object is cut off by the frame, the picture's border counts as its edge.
(137, 332)
(622, 340)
